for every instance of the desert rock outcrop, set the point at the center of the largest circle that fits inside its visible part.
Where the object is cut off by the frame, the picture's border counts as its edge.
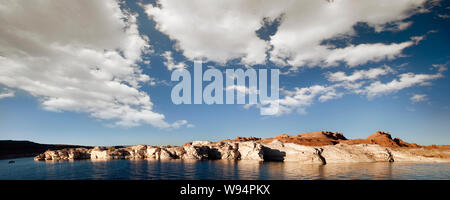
(330, 148)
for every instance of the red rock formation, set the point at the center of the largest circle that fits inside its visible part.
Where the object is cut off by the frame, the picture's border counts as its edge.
(433, 146)
(405, 144)
(242, 139)
(324, 138)
(321, 138)
(383, 139)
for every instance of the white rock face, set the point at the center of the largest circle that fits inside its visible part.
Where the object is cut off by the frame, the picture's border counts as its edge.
(228, 151)
(64, 154)
(137, 152)
(79, 153)
(164, 154)
(153, 152)
(279, 151)
(195, 152)
(99, 154)
(250, 150)
(201, 143)
(342, 153)
(102, 153)
(56, 155)
(409, 156)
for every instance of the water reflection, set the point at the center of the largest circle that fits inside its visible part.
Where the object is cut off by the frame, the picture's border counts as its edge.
(26, 168)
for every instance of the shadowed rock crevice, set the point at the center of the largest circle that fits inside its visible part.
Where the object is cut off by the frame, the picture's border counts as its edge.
(390, 158)
(273, 154)
(319, 153)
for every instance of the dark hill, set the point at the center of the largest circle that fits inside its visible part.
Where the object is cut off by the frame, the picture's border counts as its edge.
(17, 149)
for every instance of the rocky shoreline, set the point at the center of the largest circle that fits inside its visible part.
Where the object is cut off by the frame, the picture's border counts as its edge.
(321, 148)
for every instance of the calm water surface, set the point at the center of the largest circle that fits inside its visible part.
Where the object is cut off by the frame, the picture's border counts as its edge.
(27, 168)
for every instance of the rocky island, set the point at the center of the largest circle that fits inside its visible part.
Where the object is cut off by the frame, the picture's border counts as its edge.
(309, 148)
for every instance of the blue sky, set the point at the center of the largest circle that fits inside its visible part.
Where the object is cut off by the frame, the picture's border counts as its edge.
(414, 109)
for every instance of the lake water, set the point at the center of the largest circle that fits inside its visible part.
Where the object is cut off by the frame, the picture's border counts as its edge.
(28, 169)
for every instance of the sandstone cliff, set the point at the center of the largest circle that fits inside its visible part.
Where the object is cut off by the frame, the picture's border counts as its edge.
(310, 148)
(323, 138)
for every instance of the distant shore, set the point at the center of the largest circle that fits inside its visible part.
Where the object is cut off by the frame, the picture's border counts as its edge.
(10, 149)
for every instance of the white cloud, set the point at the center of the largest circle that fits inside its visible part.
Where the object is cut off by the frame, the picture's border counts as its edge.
(361, 82)
(366, 82)
(298, 40)
(403, 25)
(170, 63)
(417, 39)
(372, 73)
(77, 56)
(363, 53)
(7, 93)
(225, 30)
(329, 94)
(190, 126)
(301, 98)
(214, 30)
(418, 97)
(181, 123)
(405, 80)
(242, 89)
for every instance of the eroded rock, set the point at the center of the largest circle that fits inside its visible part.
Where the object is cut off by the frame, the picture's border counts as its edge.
(64, 154)
(275, 150)
(250, 151)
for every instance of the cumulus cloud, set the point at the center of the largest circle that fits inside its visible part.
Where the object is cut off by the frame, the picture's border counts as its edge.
(300, 98)
(366, 82)
(226, 30)
(78, 56)
(190, 126)
(372, 73)
(181, 123)
(360, 82)
(418, 97)
(298, 40)
(7, 93)
(170, 63)
(242, 89)
(403, 81)
(214, 30)
(363, 53)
